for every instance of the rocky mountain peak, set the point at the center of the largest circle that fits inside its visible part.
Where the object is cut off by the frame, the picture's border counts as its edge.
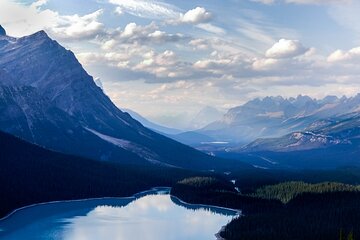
(39, 34)
(2, 31)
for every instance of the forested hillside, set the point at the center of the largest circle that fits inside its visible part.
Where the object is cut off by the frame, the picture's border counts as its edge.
(30, 174)
(289, 210)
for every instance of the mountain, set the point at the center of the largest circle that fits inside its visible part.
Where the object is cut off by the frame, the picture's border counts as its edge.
(47, 98)
(277, 116)
(2, 31)
(204, 117)
(344, 130)
(328, 143)
(30, 174)
(190, 138)
(153, 126)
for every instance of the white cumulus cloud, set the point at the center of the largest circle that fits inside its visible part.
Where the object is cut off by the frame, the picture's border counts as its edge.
(78, 27)
(23, 20)
(345, 56)
(147, 34)
(285, 48)
(196, 16)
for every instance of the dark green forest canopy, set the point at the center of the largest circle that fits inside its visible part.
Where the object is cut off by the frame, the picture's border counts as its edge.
(289, 190)
(289, 210)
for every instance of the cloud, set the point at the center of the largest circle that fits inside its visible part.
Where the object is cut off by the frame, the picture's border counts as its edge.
(265, 64)
(119, 11)
(160, 10)
(199, 17)
(134, 30)
(78, 27)
(23, 20)
(304, 2)
(161, 36)
(172, 86)
(326, 2)
(286, 49)
(257, 31)
(196, 16)
(138, 34)
(114, 55)
(200, 44)
(20, 20)
(345, 15)
(146, 9)
(353, 55)
(172, 15)
(284, 62)
(163, 65)
(264, 1)
(39, 3)
(211, 28)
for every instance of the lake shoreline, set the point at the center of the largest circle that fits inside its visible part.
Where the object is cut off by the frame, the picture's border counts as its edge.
(153, 191)
(134, 196)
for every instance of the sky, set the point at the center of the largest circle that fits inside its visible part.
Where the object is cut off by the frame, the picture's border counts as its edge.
(169, 59)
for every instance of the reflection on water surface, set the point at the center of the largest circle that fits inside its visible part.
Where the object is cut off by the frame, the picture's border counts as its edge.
(148, 217)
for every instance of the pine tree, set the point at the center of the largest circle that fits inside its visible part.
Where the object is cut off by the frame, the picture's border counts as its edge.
(350, 236)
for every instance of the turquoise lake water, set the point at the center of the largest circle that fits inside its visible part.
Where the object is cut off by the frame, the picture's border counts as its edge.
(153, 215)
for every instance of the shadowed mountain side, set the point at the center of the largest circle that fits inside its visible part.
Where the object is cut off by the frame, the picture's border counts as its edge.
(30, 174)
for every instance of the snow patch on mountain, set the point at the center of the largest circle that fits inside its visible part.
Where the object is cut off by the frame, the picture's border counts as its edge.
(278, 114)
(141, 151)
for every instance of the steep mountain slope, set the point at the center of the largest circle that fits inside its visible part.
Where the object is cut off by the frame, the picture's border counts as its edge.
(2, 31)
(151, 125)
(277, 116)
(30, 174)
(47, 98)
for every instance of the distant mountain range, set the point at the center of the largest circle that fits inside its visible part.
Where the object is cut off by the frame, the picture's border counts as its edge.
(275, 132)
(342, 130)
(47, 98)
(277, 116)
(296, 133)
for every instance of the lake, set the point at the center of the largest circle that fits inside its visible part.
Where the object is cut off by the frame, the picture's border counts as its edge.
(151, 215)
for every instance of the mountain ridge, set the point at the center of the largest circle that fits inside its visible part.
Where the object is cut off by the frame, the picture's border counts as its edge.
(277, 116)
